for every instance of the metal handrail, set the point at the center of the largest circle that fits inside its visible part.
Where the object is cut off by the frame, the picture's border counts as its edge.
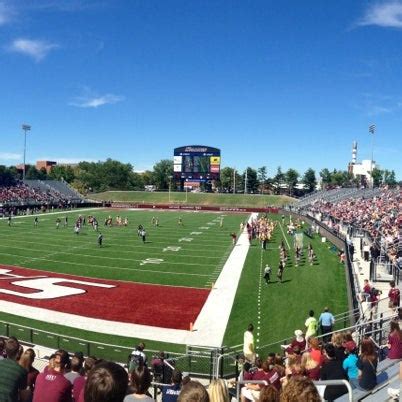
(337, 382)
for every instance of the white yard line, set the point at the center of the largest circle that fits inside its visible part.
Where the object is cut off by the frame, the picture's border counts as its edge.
(71, 211)
(210, 326)
(284, 236)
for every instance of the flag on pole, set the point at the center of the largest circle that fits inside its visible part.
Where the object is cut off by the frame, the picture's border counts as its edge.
(372, 129)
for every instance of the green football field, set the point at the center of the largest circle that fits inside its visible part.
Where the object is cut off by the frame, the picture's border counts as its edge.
(191, 254)
(277, 309)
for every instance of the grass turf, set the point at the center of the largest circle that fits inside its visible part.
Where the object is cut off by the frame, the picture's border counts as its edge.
(281, 307)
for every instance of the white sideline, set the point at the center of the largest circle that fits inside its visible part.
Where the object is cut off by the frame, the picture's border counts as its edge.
(209, 328)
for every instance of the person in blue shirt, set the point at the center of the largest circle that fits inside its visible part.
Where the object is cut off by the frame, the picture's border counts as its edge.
(326, 322)
(350, 363)
(170, 393)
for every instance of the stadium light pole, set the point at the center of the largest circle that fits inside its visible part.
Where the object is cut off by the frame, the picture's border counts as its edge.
(170, 185)
(245, 182)
(26, 128)
(372, 131)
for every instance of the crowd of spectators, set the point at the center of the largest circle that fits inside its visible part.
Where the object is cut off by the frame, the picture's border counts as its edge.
(21, 193)
(287, 377)
(338, 359)
(380, 217)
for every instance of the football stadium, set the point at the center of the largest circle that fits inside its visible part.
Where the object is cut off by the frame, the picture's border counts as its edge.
(137, 267)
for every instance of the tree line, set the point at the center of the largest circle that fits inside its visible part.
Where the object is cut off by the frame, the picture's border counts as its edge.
(106, 175)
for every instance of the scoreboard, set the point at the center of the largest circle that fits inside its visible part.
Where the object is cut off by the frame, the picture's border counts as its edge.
(196, 163)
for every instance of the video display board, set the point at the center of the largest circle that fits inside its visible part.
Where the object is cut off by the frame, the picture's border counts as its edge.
(196, 163)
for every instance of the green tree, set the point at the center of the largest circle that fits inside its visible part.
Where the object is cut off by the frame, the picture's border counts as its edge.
(377, 176)
(326, 177)
(278, 180)
(8, 176)
(64, 172)
(339, 178)
(389, 177)
(309, 180)
(291, 178)
(252, 182)
(31, 173)
(262, 177)
(147, 178)
(226, 180)
(162, 172)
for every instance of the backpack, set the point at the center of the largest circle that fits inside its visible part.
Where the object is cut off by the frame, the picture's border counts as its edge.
(136, 361)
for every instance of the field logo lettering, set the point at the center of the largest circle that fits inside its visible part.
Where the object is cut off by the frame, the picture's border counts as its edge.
(47, 287)
(152, 261)
(172, 248)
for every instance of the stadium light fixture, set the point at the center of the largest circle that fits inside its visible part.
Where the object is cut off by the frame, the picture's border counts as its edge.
(26, 128)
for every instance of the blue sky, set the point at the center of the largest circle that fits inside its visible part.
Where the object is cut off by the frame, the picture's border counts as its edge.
(289, 83)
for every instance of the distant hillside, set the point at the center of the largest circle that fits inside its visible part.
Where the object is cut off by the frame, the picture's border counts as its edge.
(229, 200)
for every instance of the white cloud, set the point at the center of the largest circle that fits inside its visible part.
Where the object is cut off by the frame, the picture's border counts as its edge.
(386, 14)
(37, 49)
(5, 14)
(10, 156)
(96, 101)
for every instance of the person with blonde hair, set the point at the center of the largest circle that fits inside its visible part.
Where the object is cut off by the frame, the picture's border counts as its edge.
(310, 367)
(218, 391)
(300, 389)
(337, 340)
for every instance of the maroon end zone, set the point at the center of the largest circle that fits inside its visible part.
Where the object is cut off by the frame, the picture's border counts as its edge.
(134, 303)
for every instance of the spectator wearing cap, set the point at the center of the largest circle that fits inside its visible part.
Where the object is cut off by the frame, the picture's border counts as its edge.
(13, 377)
(76, 367)
(350, 363)
(298, 342)
(326, 322)
(51, 385)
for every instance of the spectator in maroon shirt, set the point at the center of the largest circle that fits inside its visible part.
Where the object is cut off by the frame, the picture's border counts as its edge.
(79, 382)
(394, 296)
(298, 342)
(395, 341)
(366, 293)
(51, 385)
